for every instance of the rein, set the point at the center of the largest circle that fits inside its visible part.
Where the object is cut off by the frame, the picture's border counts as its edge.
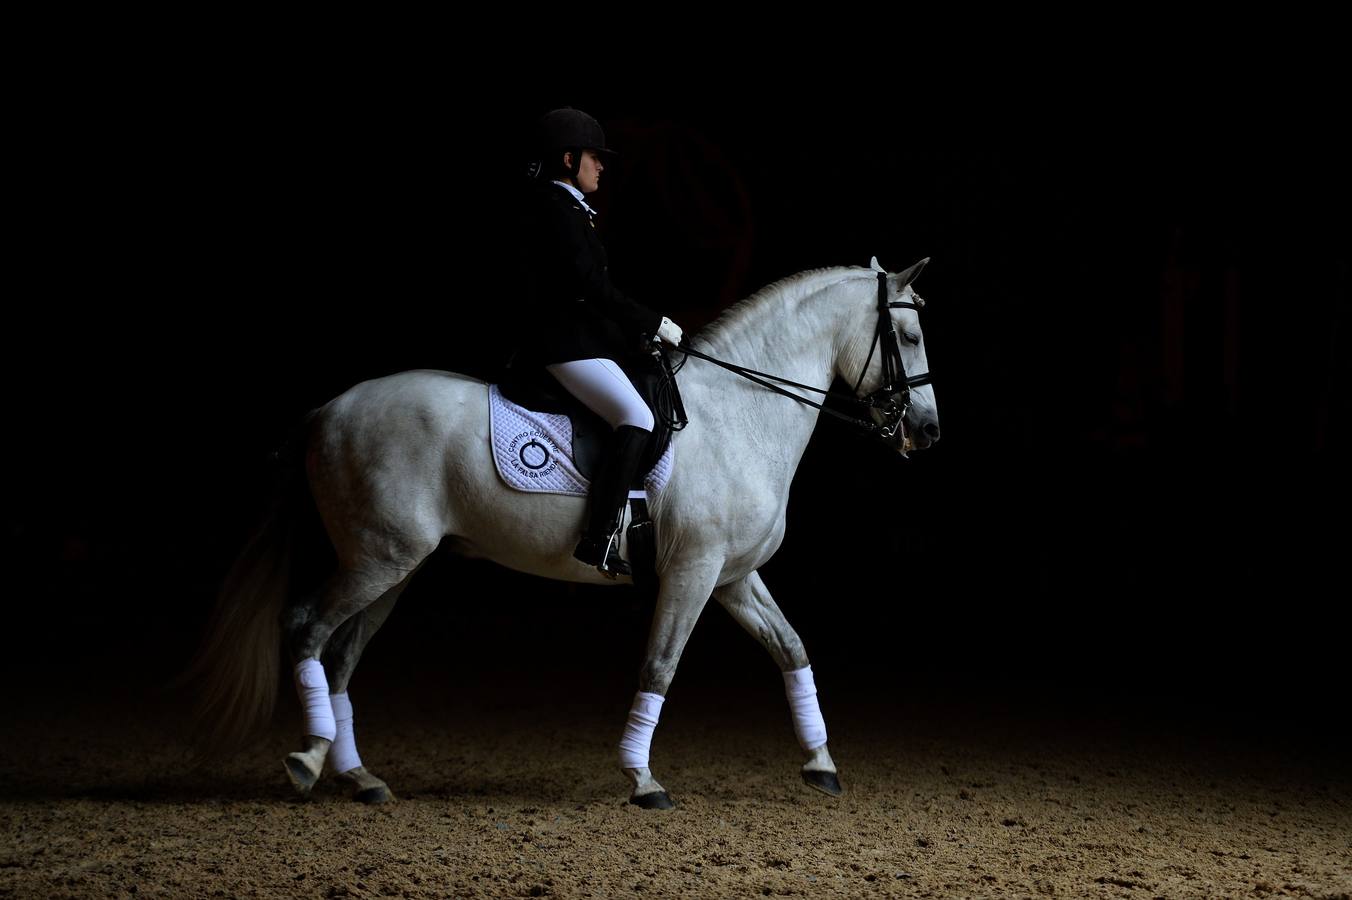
(892, 398)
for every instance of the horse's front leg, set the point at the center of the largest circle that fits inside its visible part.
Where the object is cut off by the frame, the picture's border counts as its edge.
(680, 600)
(750, 603)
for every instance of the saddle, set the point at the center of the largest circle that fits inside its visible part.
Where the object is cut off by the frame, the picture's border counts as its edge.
(535, 389)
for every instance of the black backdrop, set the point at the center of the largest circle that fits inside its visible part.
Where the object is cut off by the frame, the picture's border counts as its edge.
(1137, 330)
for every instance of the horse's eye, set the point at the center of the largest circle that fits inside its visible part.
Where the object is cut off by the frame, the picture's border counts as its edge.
(912, 339)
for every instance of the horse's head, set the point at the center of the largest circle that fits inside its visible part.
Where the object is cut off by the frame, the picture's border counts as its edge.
(882, 357)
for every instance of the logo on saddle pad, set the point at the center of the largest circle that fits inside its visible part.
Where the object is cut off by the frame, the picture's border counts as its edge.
(533, 454)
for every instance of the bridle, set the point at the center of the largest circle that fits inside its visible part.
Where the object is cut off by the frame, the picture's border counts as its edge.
(892, 399)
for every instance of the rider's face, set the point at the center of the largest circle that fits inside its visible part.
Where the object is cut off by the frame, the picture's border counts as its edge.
(589, 172)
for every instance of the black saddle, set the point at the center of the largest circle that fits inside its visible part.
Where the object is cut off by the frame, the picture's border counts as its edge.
(535, 389)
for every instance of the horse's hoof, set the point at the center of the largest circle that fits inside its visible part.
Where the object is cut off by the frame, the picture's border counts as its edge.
(654, 800)
(378, 794)
(301, 777)
(826, 782)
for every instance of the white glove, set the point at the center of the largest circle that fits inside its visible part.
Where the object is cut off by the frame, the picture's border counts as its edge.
(669, 331)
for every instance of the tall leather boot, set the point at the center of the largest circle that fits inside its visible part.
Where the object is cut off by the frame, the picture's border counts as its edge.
(606, 499)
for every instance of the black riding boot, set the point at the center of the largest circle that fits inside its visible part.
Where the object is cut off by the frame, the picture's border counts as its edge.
(605, 502)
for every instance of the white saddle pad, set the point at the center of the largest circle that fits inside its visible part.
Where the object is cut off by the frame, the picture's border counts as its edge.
(534, 451)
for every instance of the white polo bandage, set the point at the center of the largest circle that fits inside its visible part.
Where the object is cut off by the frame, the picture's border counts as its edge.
(313, 689)
(808, 723)
(343, 754)
(638, 731)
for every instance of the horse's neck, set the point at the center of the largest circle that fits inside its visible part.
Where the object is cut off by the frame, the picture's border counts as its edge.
(794, 333)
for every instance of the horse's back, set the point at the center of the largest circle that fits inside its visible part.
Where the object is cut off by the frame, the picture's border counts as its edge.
(387, 449)
(423, 399)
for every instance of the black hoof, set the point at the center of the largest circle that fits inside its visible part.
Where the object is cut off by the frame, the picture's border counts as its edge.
(826, 782)
(655, 800)
(300, 776)
(379, 794)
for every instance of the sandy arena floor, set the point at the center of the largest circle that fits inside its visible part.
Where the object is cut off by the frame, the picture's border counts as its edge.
(512, 790)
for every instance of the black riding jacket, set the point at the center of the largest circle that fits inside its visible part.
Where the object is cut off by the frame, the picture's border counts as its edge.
(574, 310)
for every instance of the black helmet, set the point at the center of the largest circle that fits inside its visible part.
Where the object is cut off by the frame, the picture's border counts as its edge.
(567, 129)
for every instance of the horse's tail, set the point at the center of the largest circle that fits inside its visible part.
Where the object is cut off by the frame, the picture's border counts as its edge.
(236, 669)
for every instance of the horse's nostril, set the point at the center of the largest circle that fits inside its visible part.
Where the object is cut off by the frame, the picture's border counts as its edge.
(931, 431)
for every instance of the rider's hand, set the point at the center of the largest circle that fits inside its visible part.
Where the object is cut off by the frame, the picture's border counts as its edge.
(669, 331)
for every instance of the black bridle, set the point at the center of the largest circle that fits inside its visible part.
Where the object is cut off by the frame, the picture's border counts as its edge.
(892, 399)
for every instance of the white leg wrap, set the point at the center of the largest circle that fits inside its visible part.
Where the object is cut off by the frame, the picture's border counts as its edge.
(808, 723)
(343, 754)
(638, 731)
(313, 688)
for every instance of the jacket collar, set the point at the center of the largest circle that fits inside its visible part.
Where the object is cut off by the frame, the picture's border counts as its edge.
(577, 195)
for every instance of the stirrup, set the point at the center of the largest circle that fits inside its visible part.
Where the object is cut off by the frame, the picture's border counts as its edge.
(611, 565)
(604, 556)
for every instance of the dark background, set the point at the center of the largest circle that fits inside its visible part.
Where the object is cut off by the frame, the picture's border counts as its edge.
(1137, 329)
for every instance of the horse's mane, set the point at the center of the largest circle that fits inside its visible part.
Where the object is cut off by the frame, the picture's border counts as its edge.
(800, 283)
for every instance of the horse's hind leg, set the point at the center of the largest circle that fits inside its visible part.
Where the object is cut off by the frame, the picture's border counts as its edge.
(749, 602)
(340, 658)
(308, 629)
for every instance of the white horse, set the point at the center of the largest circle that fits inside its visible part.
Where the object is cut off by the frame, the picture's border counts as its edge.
(398, 464)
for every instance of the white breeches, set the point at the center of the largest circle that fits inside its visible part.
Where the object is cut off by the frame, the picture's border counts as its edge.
(606, 391)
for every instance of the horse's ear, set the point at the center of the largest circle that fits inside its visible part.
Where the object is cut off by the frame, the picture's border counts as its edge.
(911, 274)
(873, 264)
